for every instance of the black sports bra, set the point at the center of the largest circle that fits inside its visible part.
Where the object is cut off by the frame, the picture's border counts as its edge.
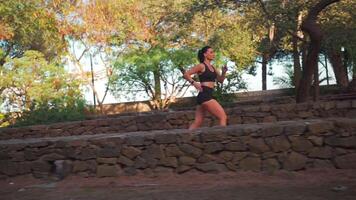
(207, 75)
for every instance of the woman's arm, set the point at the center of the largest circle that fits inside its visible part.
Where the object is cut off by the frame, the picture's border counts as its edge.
(194, 70)
(221, 77)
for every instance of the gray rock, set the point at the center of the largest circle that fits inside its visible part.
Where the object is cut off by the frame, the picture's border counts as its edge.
(231, 166)
(250, 164)
(173, 150)
(210, 167)
(295, 129)
(52, 157)
(270, 165)
(212, 147)
(89, 165)
(238, 156)
(248, 120)
(321, 152)
(165, 138)
(343, 104)
(130, 171)
(130, 152)
(183, 168)
(153, 151)
(14, 168)
(108, 171)
(236, 146)
(213, 136)
(109, 152)
(140, 163)
(191, 150)
(346, 161)
(278, 144)
(30, 154)
(346, 142)
(111, 161)
(226, 155)
(318, 141)
(322, 164)
(269, 119)
(41, 166)
(258, 146)
(4, 156)
(85, 154)
(206, 158)
(135, 140)
(272, 130)
(300, 144)
(294, 161)
(125, 161)
(169, 162)
(185, 160)
(316, 128)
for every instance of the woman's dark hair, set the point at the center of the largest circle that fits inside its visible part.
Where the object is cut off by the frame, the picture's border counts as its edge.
(201, 52)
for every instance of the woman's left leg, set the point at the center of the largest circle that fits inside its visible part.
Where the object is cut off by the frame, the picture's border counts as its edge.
(213, 107)
(199, 117)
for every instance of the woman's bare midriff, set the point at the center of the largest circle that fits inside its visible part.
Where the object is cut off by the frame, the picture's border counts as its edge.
(208, 84)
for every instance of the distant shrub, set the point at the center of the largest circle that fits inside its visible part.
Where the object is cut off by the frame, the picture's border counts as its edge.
(57, 111)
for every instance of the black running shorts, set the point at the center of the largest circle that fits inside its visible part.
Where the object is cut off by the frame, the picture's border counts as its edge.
(205, 95)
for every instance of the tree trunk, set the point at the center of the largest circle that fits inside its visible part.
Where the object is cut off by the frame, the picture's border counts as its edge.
(310, 26)
(316, 84)
(352, 84)
(264, 71)
(296, 63)
(296, 57)
(340, 70)
(157, 88)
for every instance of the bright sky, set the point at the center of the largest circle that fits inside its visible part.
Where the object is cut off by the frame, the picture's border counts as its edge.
(254, 83)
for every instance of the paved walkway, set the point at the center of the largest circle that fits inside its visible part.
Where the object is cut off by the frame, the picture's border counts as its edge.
(321, 184)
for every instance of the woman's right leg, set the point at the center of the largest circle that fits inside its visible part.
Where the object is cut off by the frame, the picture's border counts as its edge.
(199, 117)
(214, 108)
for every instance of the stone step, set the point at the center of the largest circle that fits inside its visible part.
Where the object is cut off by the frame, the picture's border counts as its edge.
(182, 119)
(288, 145)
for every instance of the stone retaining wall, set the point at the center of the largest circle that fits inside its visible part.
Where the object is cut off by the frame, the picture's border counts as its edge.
(291, 145)
(248, 97)
(182, 119)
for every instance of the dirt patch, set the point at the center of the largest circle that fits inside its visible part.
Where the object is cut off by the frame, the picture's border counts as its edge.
(312, 184)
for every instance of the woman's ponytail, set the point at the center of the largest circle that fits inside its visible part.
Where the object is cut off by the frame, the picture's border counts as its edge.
(201, 52)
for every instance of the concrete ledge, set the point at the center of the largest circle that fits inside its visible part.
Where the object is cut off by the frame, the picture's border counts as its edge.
(288, 145)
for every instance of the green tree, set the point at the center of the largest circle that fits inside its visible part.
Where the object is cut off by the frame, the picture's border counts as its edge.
(97, 30)
(287, 80)
(29, 25)
(31, 83)
(134, 75)
(340, 40)
(221, 26)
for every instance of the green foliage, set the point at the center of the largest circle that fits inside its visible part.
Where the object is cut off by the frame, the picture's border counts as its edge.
(31, 84)
(286, 80)
(338, 24)
(134, 73)
(150, 42)
(3, 122)
(235, 44)
(30, 26)
(220, 26)
(57, 111)
(233, 83)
